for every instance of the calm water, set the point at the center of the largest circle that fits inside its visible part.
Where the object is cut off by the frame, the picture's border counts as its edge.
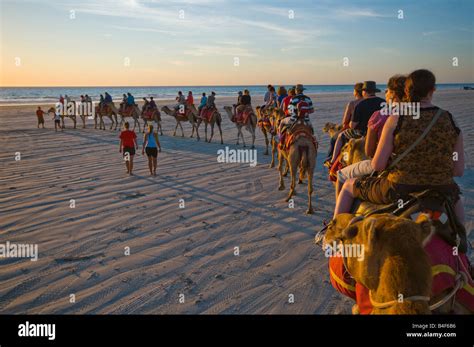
(38, 95)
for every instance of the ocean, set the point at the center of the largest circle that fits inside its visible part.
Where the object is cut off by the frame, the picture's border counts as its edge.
(45, 95)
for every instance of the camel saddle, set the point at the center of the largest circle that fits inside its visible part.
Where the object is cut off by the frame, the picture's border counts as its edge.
(289, 136)
(206, 113)
(244, 116)
(264, 122)
(128, 110)
(148, 114)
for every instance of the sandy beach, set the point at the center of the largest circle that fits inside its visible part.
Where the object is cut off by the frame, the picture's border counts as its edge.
(173, 250)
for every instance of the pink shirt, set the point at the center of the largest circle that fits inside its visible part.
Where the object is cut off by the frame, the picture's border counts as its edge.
(376, 123)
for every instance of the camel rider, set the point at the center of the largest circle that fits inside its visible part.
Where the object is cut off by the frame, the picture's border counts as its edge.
(245, 102)
(211, 100)
(203, 102)
(300, 106)
(239, 102)
(146, 105)
(152, 104)
(61, 99)
(267, 95)
(130, 100)
(83, 99)
(108, 98)
(286, 101)
(181, 101)
(190, 99)
(101, 101)
(211, 103)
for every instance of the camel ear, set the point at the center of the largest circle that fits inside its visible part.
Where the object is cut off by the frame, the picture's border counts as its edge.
(426, 228)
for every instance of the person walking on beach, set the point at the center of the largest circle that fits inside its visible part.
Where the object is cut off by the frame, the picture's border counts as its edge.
(57, 121)
(151, 146)
(40, 115)
(128, 144)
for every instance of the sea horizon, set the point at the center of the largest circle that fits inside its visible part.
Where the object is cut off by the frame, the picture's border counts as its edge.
(43, 95)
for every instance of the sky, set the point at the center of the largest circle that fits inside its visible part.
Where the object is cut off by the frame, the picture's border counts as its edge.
(232, 42)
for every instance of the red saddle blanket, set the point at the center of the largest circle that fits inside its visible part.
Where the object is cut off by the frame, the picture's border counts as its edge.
(150, 113)
(243, 117)
(287, 138)
(206, 113)
(264, 123)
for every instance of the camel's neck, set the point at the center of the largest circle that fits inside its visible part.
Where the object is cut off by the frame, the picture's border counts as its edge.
(403, 278)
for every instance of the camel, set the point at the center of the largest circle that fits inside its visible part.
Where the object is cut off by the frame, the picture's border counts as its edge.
(250, 126)
(133, 112)
(301, 152)
(62, 115)
(353, 152)
(156, 116)
(275, 117)
(393, 261)
(109, 111)
(190, 116)
(266, 126)
(332, 129)
(215, 118)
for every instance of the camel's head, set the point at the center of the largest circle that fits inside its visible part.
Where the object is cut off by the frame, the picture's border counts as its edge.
(373, 242)
(332, 128)
(353, 151)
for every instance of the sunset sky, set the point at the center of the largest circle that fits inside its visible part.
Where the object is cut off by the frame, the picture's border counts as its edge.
(196, 42)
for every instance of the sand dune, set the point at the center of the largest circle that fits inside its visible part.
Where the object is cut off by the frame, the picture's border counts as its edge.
(173, 250)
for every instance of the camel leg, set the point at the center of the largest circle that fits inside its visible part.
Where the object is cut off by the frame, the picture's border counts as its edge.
(182, 131)
(243, 139)
(239, 129)
(280, 171)
(83, 122)
(212, 132)
(194, 126)
(62, 123)
(205, 130)
(75, 122)
(176, 128)
(287, 168)
(197, 130)
(310, 190)
(293, 181)
(95, 122)
(137, 121)
(253, 139)
(116, 121)
(266, 147)
(220, 131)
(272, 163)
(159, 127)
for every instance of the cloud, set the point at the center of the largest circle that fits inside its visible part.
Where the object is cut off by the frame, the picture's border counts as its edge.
(360, 13)
(153, 30)
(215, 50)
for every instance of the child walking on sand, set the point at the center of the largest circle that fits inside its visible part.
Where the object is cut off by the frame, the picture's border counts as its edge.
(128, 143)
(151, 145)
(57, 121)
(40, 115)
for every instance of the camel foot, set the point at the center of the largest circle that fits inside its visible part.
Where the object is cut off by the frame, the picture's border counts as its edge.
(300, 181)
(281, 187)
(253, 147)
(285, 174)
(222, 142)
(310, 211)
(271, 166)
(288, 198)
(265, 153)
